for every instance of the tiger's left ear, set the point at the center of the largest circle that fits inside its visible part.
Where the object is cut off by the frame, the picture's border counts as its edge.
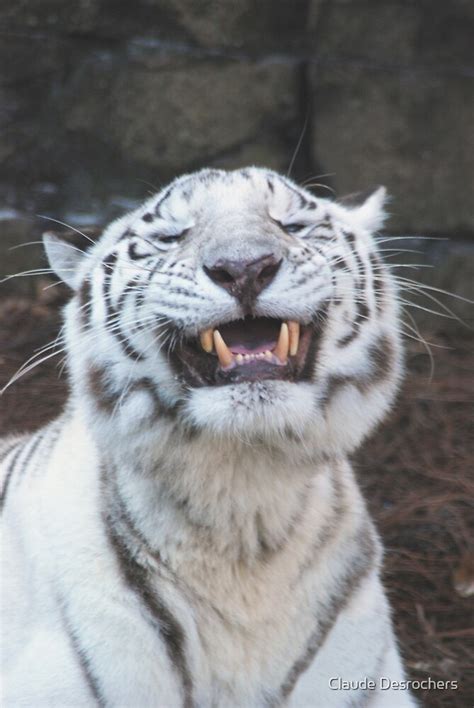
(64, 258)
(371, 214)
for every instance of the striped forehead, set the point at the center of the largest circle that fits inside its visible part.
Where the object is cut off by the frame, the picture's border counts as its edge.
(194, 196)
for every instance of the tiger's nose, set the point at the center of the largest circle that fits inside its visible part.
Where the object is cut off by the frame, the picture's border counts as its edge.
(242, 278)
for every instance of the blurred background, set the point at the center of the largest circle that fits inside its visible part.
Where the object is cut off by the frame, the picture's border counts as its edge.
(103, 102)
(102, 99)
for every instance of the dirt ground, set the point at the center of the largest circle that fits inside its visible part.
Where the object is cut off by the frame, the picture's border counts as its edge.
(416, 473)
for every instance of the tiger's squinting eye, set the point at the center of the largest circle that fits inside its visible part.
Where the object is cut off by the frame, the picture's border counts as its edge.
(293, 228)
(170, 239)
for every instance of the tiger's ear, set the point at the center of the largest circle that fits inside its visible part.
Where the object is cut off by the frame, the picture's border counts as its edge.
(371, 214)
(64, 258)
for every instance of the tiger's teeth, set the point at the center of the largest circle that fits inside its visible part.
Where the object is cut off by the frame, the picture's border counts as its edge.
(239, 358)
(268, 355)
(223, 352)
(281, 349)
(294, 331)
(206, 340)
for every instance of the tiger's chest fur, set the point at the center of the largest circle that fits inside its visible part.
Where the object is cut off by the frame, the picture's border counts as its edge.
(189, 532)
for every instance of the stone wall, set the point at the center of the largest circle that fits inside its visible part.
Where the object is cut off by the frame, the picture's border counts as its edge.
(102, 101)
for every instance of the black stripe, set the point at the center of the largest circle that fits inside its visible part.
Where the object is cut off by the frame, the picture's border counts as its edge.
(363, 311)
(321, 236)
(187, 293)
(109, 261)
(301, 200)
(8, 476)
(112, 316)
(360, 267)
(85, 304)
(132, 252)
(162, 302)
(268, 547)
(381, 355)
(306, 278)
(30, 452)
(123, 518)
(326, 224)
(334, 383)
(154, 269)
(344, 341)
(100, 390)
(128, 233)
(165, 196)
(146, 384)
(110, 312)
(108, 266)
(82, 658)
(350, 238)
(311, 361)
(54, 432)
(348, 584)
(136, 577)
(188, 278)
(379, 282)
(7, 450)
(328, 532)
(340, 263)
(127, 346)
(106, 398)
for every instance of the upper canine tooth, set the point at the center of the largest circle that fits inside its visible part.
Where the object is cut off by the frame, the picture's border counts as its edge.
(222, 350)
(206, 340)
(294, 330)
(281, 349)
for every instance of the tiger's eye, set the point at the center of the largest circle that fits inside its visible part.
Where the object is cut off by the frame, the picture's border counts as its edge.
(170, 239)
(293, 228)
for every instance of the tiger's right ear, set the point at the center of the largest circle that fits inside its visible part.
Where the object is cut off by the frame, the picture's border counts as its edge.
(64, 257)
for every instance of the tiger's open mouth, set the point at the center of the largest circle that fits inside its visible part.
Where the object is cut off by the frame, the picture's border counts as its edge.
(249, 349)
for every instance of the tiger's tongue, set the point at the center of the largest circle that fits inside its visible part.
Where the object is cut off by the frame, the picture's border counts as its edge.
(251, 335)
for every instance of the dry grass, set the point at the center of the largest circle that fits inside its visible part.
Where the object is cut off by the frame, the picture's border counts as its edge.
(416, 473)
(417, 477)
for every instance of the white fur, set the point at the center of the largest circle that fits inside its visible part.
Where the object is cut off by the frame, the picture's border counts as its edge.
(249, 531)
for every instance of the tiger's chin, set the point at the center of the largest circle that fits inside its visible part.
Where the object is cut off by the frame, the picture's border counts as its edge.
(250, 377)
(263, 409)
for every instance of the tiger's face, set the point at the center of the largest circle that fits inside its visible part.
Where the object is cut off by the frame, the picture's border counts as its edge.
(247, 305)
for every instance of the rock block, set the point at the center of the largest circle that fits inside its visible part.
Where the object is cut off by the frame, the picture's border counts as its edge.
(410, 131)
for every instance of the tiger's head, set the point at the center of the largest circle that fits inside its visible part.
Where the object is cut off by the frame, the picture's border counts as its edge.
(240, 304)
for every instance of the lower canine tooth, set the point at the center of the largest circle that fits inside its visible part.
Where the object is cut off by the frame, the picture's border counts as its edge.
(223, 352)
(206, 340)
(268, 355)
(294, 331)
(239, 358)
(281, 349)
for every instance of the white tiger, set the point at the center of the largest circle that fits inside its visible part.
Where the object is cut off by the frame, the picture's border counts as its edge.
(189, 532)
